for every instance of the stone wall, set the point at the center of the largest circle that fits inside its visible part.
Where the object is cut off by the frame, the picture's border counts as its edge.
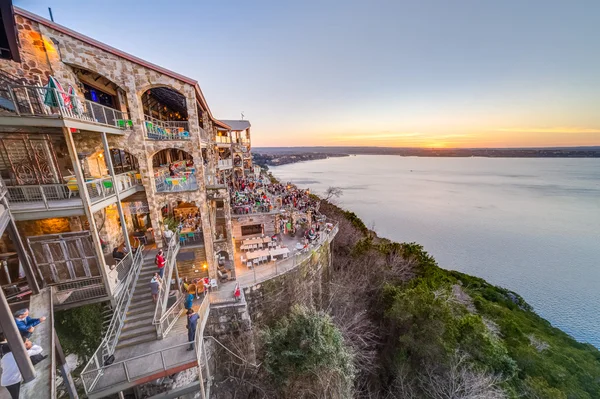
(267, 220)
(303, 285)
(28, 228)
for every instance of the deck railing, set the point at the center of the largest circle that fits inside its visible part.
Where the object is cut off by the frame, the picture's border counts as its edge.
(222, 139)
(45, 193)
(161, 322)
(95, 366)
(103, 188)
(79, 290)
(3, 189)
(157, 129)
(44, 101)
(225, 163)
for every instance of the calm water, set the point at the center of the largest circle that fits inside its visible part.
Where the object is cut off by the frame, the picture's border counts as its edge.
(531, 225)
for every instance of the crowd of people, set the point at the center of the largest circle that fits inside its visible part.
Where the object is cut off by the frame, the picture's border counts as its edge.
(259, 195)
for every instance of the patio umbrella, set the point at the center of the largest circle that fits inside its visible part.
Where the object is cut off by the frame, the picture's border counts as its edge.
(52, 99)
(75, 103)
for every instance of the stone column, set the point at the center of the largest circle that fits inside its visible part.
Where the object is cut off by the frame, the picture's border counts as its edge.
(87, 207)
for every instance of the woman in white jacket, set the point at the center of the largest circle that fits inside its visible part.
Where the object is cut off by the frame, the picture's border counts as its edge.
(11, 376)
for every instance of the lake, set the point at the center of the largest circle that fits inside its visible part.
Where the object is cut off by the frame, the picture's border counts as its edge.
(530, 225)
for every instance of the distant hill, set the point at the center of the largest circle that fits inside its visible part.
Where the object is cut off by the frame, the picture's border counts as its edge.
(529, 152)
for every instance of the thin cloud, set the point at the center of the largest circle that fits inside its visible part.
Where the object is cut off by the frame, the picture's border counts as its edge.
(570, 130)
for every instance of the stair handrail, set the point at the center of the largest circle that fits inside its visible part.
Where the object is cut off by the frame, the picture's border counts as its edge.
(95, 364)
(163, 294)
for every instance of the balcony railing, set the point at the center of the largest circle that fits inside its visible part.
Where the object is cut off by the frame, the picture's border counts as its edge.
(101, 189)
(213, 181)
(222, 139)
(166, 130)
(44, 101)
(95, 367)
(77, 291)
(166, 184)
(204, 136)
(44, 194)
(225, 164)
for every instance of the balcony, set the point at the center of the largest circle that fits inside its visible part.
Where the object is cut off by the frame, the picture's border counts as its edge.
(47, 107)
(166, 130)
(225, 164)
(27, 202)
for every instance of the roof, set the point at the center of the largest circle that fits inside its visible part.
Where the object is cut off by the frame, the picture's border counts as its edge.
(119, 53)
(236, 125)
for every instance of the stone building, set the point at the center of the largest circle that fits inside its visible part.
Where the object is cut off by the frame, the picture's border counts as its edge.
(106, 158)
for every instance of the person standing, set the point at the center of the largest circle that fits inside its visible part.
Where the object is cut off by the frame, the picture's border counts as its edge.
(160, 263)
(155, 286)
(26, 324)
(11, 375)
(192, 323)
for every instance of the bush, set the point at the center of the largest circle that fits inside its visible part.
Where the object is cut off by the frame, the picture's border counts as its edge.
(306, 356)
(80, 329)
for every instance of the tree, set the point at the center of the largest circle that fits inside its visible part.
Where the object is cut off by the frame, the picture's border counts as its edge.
(307, 357)
(332, 192)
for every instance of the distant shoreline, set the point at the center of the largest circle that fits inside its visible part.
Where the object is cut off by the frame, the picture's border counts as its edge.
(275, 156)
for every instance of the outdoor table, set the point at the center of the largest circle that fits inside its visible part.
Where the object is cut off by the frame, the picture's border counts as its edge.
(257, 240)
(299, 246)
(279, 251)
(257, 254)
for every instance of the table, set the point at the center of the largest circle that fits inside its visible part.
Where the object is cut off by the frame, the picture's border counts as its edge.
(299, 246)
(256, 240)
(257, 254)
(279, 251)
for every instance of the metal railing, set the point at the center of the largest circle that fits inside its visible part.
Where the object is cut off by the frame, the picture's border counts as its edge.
(163, 296)
(166, 184)
(170, 317)
(100, 189)
(45, 193)
(79, 290)
(44, 101)
(95, 366)
(212, 181)
(225, 163)
(3, 189)
(222, 139)
(103, 188)
(273, 269)
(157, 129)
(119, 273)
(138, 367)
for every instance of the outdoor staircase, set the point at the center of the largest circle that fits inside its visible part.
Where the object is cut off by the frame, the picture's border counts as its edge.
(138, 327)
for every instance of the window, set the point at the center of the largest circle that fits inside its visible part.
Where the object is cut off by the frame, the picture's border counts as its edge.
(252, 229)
(98, 96)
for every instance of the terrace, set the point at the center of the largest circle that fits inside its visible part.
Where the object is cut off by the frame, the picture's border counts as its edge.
(165, 114)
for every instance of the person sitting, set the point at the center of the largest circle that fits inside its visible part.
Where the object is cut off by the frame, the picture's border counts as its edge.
(117, 255)
(26, 324)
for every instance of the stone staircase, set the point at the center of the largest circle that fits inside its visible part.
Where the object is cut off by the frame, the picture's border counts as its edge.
(138, 327)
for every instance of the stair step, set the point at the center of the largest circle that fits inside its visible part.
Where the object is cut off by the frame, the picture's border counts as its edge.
(141, 307)
(136, 332)
(140, 316)
(139, 323)
(136, 340)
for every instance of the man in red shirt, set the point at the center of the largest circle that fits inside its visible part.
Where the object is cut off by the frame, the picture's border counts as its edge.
(160, 263)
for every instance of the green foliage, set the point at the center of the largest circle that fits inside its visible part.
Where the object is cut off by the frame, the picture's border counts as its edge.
(80, 329)
(356, 222)
(170, 223)
(306, 344)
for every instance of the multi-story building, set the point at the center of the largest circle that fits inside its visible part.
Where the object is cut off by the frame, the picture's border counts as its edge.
(104, 156)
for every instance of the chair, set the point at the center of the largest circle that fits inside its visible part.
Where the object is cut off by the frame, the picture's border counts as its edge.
(174, 182)
(285, 255)
(255, 262)
(182, 239)
(249, 264)
(243, 259)
(213, 284)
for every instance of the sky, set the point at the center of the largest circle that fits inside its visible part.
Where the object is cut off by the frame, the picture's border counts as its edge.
(460, 73)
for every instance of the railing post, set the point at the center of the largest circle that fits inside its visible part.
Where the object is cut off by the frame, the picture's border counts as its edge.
(93, 113)
(44, 196)
(29, 100)
(14, 100)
